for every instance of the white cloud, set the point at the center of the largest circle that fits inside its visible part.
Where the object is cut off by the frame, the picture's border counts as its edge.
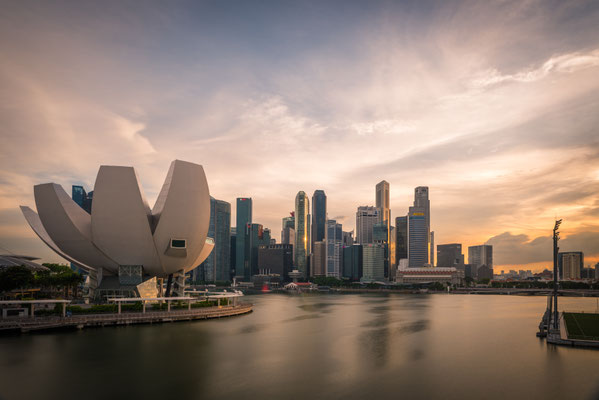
(564, 63)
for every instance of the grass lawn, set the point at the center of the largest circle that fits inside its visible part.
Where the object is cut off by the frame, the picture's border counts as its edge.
(583, 326)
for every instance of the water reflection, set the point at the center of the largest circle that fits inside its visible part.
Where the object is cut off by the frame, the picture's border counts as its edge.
(315, 346)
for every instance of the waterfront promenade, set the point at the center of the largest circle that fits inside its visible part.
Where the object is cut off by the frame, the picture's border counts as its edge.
(40, 323)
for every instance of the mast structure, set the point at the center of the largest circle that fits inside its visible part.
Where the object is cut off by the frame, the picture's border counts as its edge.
(555, 272)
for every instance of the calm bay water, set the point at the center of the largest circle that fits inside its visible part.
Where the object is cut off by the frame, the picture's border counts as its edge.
(314, 346)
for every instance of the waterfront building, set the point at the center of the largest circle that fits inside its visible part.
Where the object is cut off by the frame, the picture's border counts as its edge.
(352, 262)
(334, 243)
(242, 241)
(450, 276)
(366, 217)
(169, 240)
(319, 216)
(302, 233)
(560, 258)
(485, 272)
(417, 237)
(450, 255)
(83, 199)
(275, 259)
(421, 200)
(217, 266)
(259, 236)
(470, 271)
(597, 271)
(373, 262)
(571, 265)
(401, 238)
(319, 259)
(479, 256)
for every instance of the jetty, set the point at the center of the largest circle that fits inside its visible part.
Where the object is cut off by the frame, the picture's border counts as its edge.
(44, 323)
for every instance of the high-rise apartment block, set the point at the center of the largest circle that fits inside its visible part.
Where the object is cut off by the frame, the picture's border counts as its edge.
(572, 263)
(560, 258)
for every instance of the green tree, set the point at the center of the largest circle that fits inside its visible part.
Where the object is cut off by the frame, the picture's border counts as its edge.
(17, 277)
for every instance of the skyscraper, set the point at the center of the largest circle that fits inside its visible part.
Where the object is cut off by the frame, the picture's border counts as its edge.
(288, 230)
(373, 262)
(82, 198)
(242, 242)
(421, 200)
(319, 216)
(352, 262)
(258, 236)
(560, 258)
(431, 258)
(479, 256)
(401, 238)
(302, 233)
(216, 266)
(334, 249)
(382, 200)
(275, 259)
(319, 259)
(417, 237)
(348, 238)
(382, 203)
(366, 218)
(449, 255)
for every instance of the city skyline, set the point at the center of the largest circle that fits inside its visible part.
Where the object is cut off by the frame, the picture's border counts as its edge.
(462, 97)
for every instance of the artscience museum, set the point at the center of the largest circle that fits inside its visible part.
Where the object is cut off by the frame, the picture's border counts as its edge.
(125, 245)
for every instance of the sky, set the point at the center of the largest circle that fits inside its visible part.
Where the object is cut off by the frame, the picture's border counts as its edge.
(492, 105)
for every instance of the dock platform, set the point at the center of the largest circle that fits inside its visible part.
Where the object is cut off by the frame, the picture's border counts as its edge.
(43, 323)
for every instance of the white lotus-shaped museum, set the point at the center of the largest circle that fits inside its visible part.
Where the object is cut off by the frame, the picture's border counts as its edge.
(122, 231)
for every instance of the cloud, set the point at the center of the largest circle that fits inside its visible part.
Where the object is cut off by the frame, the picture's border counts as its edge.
(520, 249)
(492, 105)
(564, 63)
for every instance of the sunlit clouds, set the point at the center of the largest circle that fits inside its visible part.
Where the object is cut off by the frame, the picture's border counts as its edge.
(491, 105)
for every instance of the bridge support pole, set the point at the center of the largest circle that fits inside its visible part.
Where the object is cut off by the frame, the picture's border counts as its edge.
(32, 310)
(64, 310)
(144, 306)
(189, 305)
(119, 306)
(168, 305)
